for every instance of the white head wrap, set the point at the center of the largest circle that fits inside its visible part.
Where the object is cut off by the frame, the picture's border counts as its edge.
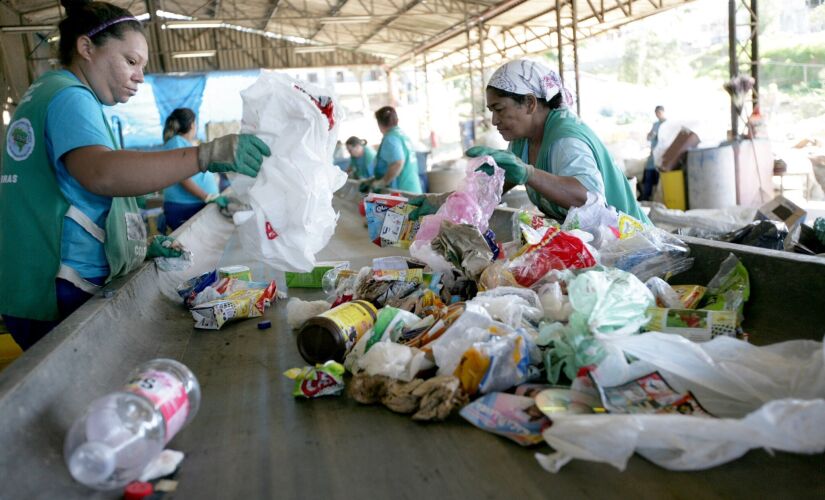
(523, 77)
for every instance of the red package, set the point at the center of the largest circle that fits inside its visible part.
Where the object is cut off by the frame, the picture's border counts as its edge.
(556, 250)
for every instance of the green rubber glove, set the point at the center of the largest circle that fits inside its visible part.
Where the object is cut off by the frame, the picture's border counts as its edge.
(427, 204)
(515, 170)
(163, 246)
(242, 153)
(364, 186)
(221, 201)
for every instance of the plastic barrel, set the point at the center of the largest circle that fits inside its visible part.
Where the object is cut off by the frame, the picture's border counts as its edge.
(711, 177)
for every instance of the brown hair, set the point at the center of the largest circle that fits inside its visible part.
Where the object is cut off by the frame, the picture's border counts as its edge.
(179, 121)
(387, 117)
(355, 141)
(97, 20)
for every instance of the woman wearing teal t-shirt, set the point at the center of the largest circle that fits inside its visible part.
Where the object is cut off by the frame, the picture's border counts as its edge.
(552, 152)
(362, 158)
(396, 166)
(70, 221)
(183, 200)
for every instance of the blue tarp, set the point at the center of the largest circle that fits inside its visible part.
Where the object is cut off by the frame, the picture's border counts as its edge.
(172, 92)
(213, 96)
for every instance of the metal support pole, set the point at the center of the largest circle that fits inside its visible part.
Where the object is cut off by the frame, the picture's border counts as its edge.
(560, 43)
(755, 50)
(481, 61)
(733, 65)
(574, 13)
(472, 86)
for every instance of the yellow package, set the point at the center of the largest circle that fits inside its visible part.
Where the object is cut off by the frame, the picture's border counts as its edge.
(237, 305)
(690, 295)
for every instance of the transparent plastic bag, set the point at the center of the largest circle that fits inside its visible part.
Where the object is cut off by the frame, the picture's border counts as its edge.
(472, 203)
(594, 217)
(779, 404)
(648, 253)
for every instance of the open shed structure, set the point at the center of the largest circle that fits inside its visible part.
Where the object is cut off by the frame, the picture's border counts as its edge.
(454, 36)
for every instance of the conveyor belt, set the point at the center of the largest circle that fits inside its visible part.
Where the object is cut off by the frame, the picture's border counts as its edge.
(251, 439)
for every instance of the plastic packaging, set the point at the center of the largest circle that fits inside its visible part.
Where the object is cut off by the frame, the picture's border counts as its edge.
(291, 197)
(766, 397)
(729, 289)
(514, 417)
(120, 433)
(472, 203)
(313, 382)
(698, 325)
(594, 217)
(648, 253)
(556, 250)
(665, 295)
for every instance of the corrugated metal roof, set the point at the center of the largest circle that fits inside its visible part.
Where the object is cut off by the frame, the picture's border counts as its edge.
(305, 33)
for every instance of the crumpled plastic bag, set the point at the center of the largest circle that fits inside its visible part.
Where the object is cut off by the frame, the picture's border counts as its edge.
(595, 217)
(557, 250)
(606, 303)
(771, 397)
(648, 253)
(609, 301)
(511, 305)
(292, 195)
(472, 203)
(498, 363)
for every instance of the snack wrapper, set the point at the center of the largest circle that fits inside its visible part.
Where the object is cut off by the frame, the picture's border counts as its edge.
(697, 325)
(248, 301)
(514, 417)
(376, 207)
(690, 295)
(323, 380)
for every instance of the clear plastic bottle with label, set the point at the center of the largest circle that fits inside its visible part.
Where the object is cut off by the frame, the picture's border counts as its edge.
(120, 433)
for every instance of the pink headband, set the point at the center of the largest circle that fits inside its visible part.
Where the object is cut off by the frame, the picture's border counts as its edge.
(108, 24)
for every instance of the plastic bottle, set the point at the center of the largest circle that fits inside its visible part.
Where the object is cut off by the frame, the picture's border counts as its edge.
(120, 433)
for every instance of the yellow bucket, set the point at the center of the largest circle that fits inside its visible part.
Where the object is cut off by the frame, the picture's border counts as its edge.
(9, 350)
(673, 189)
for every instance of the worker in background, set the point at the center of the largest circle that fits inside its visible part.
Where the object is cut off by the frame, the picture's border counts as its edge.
(183, 200)
(70, 221)
(552, 152)
(396, 166)
(651, 175)
(361, 158)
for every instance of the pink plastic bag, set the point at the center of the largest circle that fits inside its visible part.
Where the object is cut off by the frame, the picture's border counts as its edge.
(473, 203)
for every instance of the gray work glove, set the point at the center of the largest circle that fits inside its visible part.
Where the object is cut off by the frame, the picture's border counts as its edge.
(241, 153)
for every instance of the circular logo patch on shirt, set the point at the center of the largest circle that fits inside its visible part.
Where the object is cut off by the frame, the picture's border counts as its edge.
(20, 139)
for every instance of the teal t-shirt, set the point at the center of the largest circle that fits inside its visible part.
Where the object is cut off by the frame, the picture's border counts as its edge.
(364, 166)
(394, 147)
(74, 119)
(205, 180)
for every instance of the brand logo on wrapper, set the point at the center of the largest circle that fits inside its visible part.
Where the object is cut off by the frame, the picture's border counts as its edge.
(315, 385)
(20, 139)
(270, 231)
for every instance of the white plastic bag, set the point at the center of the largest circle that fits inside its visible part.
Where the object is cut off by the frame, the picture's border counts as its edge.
(292, 195)
(771, 397)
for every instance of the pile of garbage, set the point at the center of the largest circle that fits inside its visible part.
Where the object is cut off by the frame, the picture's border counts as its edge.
(570, 334)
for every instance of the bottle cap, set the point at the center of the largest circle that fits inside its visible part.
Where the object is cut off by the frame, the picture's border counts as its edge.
(137, 490)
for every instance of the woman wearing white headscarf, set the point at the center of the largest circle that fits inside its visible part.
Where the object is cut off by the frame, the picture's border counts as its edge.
(552, 152)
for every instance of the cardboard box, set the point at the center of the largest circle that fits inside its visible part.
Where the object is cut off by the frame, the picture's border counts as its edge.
(783, 210)
(674, 155)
